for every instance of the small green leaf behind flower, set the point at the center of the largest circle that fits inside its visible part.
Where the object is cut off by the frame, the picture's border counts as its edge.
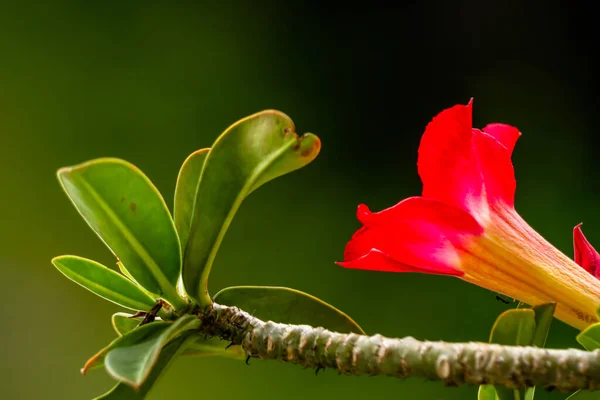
(104, 282)
(589, 338)
(513, 327)
(130, 216)
(519, 327)
(287, 306)
(544, 315)
(249, 153)
(486, 392)
(583, 395)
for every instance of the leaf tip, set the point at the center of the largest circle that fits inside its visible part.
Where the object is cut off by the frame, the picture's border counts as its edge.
(90, 363)
(58, 261)
(309, 146)
(63, 173)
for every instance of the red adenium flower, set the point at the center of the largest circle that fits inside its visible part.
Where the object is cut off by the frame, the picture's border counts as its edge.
(585, 254)
(465, 225)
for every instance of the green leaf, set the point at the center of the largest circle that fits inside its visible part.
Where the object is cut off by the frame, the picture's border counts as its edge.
(127, 212)
(214, 347)
(287, 306)
(583, 395)
(131, 278)
(123, 323)
(514, 327)
(544, 314)
(249, 153)
(169, 353)
(133, 364)
(139, 335)
(185, 193)
(104, 282)
(589, 338)
(200, 346)
(486, 392)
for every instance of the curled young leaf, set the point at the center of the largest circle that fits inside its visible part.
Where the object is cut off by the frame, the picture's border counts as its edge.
(287, 306)
(128, 213)
(249, 153)
(124, 323)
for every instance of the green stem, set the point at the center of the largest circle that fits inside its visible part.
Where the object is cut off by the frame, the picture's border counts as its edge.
(204, 299)
(453, 363)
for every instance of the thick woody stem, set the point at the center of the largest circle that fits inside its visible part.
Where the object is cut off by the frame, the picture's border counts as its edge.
(454, 363)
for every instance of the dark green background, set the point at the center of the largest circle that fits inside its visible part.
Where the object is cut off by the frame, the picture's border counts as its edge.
(151, 82)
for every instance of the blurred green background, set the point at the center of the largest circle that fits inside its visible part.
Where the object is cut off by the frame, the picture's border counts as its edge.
(151, 82)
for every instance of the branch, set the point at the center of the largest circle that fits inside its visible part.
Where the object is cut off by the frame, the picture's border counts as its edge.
(453, 363)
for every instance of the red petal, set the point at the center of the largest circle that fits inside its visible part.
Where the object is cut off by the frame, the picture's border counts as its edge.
(496, 169)
(376, 260)
(415, 235)
(466, 167)
(507, 135)
(585, 254)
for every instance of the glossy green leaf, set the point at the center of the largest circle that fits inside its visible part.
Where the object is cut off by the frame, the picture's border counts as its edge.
(200, 346)
(584, 395)
(249, 153)
(288, 306)
(133, 364)
(139, 335)
(529, 393)
(185, 193)
(127, 212)
(104, 282)
(486, 392)
(214, 347)
(131, 278)
(169, 353)
(544, 315)
(123, 323)
(514, 327)
(589, 338)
